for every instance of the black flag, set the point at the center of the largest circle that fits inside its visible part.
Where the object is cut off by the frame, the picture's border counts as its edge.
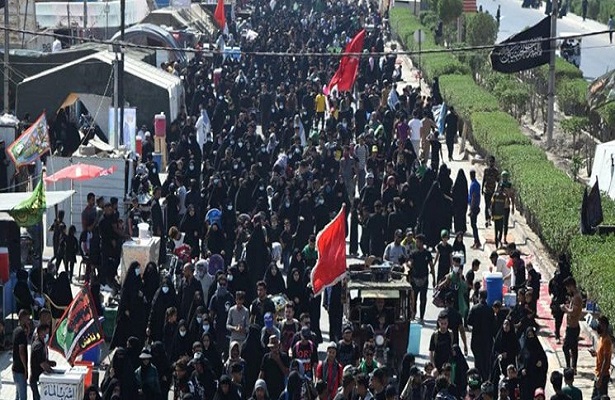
(533, 51)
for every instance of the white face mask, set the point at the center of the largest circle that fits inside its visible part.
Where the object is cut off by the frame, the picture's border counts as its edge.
(165, 289)
(182, 333)
(137, 271)
(46, 339)
(199, 319)
(205, 328)
(455, 269)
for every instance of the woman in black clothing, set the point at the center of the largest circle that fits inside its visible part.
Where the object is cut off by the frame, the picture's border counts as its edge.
(151, 284)
(460, 202)
(61, 294)
(505, 349)
(252, 352)
(211, 353)
(172, 207)
(458, 245)
(131, 316)
(163, 299)
(239, 280)
(274, 280)
(225, 389)
(297, 262)
(460, 367)
(192, 228)
(163, 366)
(195, 329)
(182, 344)
(295, 291)
(169, 332)
(121, 373)
(214, 239)
(533, 364)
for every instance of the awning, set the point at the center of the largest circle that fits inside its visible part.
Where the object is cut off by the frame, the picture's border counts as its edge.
(8, 201)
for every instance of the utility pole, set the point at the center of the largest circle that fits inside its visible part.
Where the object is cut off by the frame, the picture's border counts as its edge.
(551, 87)
(121, 71)
(116, 79)
(85, 18)
(7, 45)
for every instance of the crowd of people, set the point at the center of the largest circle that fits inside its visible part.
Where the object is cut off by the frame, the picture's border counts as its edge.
(259, 161)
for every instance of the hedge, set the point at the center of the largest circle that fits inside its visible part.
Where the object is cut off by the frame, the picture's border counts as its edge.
(550, 199)
(432, 64)
(465, 95)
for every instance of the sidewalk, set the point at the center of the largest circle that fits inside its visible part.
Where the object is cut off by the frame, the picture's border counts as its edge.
(528, 243)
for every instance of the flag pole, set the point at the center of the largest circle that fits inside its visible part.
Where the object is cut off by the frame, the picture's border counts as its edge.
(551, 87)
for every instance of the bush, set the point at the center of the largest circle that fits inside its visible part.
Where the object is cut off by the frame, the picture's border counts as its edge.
(449, 10)
(496, 129)
(572, 96)
(465, 95)
(481, 29)
(434, 64)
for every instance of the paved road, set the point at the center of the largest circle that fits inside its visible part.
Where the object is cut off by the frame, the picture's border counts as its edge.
(597, 55)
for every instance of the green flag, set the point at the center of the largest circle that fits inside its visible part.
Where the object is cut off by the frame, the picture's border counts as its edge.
(30, 211)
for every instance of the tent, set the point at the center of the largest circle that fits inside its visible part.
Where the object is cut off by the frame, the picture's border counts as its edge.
(149, 89)
(603, 169)
(9, 200)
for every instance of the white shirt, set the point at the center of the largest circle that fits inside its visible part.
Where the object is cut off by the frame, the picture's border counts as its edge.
(500, 266)
(415, 125)
(56, 46)
(203, 128)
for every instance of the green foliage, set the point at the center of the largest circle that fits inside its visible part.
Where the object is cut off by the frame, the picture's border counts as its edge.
(465, 95)
(592, 265)
(598, 10)
(449, 10)
(429, 19)
(481, 29)
(572, 96)
(432, 65)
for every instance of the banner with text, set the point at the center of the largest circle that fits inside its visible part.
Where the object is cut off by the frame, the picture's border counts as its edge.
(525, 50)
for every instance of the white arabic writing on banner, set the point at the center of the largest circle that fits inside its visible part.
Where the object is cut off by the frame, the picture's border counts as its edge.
(524, 51)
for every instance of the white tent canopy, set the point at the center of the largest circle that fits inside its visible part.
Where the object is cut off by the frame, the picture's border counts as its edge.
(8, 201)
(603, 169)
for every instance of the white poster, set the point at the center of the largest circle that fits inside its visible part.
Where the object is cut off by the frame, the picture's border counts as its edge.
(129, 130)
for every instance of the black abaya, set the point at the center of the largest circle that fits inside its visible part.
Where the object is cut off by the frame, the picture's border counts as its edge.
(160, 303)
(252, 352)
(460, 202)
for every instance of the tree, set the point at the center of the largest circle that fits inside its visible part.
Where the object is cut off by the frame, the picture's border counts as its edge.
(449, 10)
(573, 126)
(481, 29)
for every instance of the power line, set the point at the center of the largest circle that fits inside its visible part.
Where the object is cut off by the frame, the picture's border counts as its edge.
(304, 54)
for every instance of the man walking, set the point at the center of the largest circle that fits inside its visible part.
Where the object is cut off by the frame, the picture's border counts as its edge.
(573, 315)
(603, 358)
(474, 203)
(611, 25)
(490, 181)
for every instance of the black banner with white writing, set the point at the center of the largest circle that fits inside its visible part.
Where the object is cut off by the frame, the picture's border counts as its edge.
(525, 50)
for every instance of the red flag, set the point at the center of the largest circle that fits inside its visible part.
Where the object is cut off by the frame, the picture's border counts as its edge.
(79, 328)
(331, 247)
(220, 15)
(346, 73)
